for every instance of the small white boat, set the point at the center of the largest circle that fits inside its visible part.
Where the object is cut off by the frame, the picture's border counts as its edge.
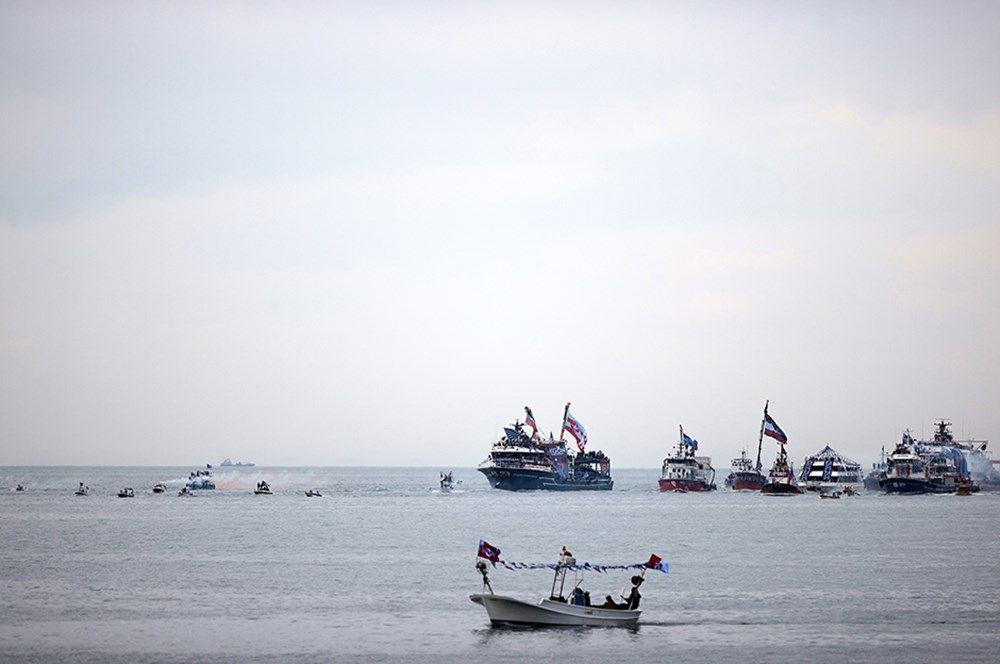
(313, 493)
(126, 493)
(556, 609)
(504, 610)
(185, 492)
(159, 487)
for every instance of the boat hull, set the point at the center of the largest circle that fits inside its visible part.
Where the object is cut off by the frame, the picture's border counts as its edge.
(780, 489)
(683, 486)
(532, 480)
(747, 482)
(504, 610)
(907, 485)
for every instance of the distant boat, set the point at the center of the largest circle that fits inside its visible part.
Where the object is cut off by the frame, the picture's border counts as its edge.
(829, 471)
(159, 487)
(447, 482)
(522, 462)
(82, 491)
(745, 476)
(781, 477)
(313, 493)
(126, 493)
(243, 464)
(201, 479)
(19, 488)
(683, 471)
(263, 489)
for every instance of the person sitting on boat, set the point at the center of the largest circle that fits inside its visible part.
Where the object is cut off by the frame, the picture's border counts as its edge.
(577, 597)
(609, 603)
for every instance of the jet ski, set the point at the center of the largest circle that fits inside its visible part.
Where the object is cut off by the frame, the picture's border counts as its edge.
(185, 492)
(126, 493)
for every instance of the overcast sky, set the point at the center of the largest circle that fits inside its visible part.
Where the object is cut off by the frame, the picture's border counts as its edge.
(371, 233)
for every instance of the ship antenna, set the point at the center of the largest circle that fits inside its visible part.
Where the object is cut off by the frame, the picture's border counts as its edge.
(760, 437)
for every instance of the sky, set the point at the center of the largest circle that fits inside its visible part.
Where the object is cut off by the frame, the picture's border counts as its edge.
(371, 233)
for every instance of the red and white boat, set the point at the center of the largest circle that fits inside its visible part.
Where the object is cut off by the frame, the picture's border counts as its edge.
(781, 478)
(685, 471)
(745, 475)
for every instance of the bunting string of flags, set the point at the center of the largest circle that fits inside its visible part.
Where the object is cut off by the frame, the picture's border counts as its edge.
(492, 554)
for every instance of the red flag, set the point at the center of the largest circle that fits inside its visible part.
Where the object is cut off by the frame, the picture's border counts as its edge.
(576, 430)
(655, 562)
(489, 552)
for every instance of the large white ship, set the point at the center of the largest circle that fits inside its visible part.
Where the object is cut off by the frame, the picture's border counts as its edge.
(829, 471)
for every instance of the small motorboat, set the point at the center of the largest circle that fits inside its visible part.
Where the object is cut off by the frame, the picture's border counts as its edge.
(82, 491)
(557, 610)
(447, 482)
(127, 492)
(19, 488)
(159, 487)
(313, 493)
(185, 492)
(263, 489)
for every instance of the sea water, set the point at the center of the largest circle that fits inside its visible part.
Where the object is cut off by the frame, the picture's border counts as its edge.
(381, 567)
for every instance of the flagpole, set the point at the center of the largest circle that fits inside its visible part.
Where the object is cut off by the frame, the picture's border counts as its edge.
(683, 448)
(565, 415)
(760, 438)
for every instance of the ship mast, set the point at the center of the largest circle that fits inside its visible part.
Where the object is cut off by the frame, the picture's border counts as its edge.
(565, 415)
(760, 437)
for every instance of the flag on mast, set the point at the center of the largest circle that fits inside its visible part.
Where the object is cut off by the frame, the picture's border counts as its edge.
(575, 429)
(529, 419)
(489, 552)
(689, 441)
(772, 429)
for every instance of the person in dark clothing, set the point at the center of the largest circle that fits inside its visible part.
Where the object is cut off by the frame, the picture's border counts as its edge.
(609, 603)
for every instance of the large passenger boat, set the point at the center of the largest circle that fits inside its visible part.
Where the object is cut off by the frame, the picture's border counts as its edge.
(829, 471)
(522, 462)
(684, 471)
(745, 476)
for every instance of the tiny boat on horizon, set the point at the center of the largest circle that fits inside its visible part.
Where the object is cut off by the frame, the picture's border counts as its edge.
(447, 482)
(127, 492)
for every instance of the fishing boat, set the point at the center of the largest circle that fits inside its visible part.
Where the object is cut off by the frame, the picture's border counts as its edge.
(263, 489)
(82, 490)
(159, 487)
(828, 471)
(781, 477)
(557, 610)
(745, 476)
(684, 471)
(523, 462)
(126, 493)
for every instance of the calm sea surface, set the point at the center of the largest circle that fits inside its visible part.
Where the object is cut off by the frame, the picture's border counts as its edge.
(382, 566)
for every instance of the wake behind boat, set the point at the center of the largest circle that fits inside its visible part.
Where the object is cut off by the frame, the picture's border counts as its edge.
(557, 610)
(522, 462)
